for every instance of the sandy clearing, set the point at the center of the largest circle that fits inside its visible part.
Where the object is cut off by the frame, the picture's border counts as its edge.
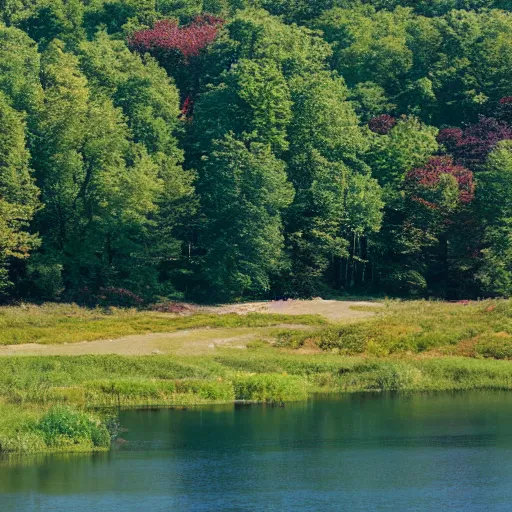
(334, 310)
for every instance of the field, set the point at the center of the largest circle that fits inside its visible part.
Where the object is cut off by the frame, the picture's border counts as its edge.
(57, 392)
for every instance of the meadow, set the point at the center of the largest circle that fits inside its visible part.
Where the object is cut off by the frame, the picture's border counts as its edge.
(69, 323)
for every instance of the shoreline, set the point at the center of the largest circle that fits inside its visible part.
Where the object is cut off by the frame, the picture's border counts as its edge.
(366, 376)
(58, 401)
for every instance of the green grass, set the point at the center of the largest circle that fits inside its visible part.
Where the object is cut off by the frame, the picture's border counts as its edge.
(38, 429)
(68, 323)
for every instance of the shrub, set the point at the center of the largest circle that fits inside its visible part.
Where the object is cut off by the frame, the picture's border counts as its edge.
(396, 377)
(405, 282)
(171, 307)
(135, 389)
(213, 390)
(348, 339)
(270, 388)
(119, 297)
(495, 346)
(62, 426)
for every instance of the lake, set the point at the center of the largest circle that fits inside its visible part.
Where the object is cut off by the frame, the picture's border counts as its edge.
(362, 452)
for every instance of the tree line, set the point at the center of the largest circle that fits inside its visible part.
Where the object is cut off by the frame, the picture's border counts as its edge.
(227, 149)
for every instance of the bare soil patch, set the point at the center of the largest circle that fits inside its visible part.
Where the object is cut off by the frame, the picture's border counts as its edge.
(333, 310)
(186, 342)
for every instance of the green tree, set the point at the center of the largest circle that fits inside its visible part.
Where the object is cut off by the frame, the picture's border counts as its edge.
(18, 193)
(324, 162)
(407, 145)
(369, 46)
(50, 19)
(296, 50)
(19, 69)
(253, 98)
(148, 98)
(494, 189)
(243, 190)
(98, 186)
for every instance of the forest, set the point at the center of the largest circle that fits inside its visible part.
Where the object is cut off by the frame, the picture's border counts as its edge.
(217, 150)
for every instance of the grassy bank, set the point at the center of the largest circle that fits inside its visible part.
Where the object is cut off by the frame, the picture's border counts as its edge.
(31, 386)
(46, 402)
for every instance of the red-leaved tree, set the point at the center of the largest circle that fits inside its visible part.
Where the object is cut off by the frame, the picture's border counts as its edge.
(437, 199)
(180, 50)
(382, 124)
(430, 185)
(167, 37)
(504, 110)
(471, 146)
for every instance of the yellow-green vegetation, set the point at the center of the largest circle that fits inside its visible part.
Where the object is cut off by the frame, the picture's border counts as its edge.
(68, 323)
(52, 402)
(478, 329)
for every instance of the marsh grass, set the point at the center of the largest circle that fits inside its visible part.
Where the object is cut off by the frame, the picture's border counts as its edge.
(30, 386)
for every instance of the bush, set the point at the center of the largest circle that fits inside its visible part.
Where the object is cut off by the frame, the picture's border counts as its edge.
(349, 339)
(396, 377)
(129, 390)
(63, 426)
(270, 388)
(119, 297)
(495, 346)
(405, 283)
(214, 390)
(171, 307)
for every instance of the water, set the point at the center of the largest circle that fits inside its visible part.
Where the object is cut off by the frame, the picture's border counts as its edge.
(365, 452)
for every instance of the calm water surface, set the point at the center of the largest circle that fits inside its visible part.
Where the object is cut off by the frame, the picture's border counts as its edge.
(441, 452)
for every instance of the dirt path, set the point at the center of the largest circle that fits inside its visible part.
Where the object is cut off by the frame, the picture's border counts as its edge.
(187, 342)
(203, 340)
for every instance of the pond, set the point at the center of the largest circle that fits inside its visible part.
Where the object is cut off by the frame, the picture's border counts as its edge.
(361, 452)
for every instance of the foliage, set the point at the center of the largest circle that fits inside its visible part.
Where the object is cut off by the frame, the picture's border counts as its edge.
(472, 146)
(408, 144)
(244, 189)
(18, 193)
(495, 274)
(382, 124)
(495, 346)
(269, 388)
(61, 427)
(430, 185)
(233, 148)
(167, 37)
